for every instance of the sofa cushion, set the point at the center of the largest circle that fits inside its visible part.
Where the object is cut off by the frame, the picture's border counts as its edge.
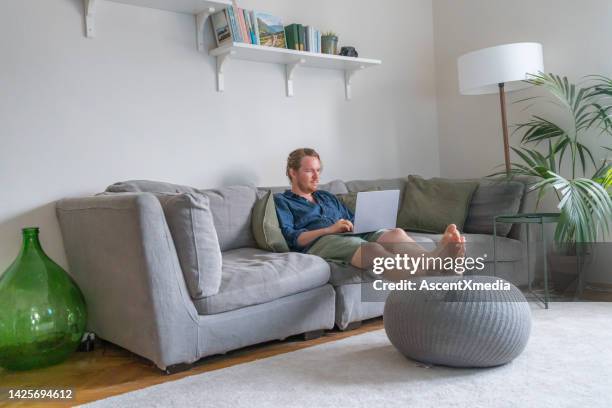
(399, 183)
(334, 187)
(508, 250)
(191, 225)
(490, 199)
(349, 200)
(252, 276)
(378, 184)
(430, 205)
(149, 186)
(265, 226)
(342, 274)
(231, 208)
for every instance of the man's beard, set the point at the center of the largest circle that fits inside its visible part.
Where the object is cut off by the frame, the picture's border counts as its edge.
(307, 187)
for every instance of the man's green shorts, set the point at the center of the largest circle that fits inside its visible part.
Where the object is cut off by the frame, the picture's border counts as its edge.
(341, 248)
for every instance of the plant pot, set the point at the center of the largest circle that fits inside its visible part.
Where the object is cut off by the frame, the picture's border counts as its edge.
(563, 271)
(564, 265)
(42, 311)
(329, 45)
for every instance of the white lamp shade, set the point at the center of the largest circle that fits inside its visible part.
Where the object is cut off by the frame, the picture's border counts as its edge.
(481, 72)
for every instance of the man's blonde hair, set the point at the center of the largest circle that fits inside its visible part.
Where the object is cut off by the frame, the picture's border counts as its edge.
(294, 160)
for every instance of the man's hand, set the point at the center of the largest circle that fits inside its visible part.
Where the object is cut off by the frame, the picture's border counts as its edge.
(307, 237)
(341, 226)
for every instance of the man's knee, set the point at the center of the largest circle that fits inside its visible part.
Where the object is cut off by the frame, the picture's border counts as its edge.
(364, 256)
(399, 232)
(395, 233)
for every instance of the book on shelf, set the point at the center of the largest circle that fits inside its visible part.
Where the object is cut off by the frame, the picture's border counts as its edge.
(291, 34)
(255, 27)
(249, 23)
(221, 28)
(246, 38)
(234, 25)
(308, 46)
(301, 37)
(270, 29)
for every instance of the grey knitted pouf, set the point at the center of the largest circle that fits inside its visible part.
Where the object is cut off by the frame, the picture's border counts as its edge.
(458, 328)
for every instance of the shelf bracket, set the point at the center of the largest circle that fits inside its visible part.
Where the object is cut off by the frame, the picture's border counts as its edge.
(221, 61)
(200, 20)
(290, 70)
(90, 6)
(348, 80)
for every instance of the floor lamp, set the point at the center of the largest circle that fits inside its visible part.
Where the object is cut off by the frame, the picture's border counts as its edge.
(499, 69)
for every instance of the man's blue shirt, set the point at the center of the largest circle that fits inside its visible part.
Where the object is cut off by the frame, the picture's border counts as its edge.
(297, 215)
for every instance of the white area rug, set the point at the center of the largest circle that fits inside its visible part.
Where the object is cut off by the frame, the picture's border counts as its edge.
(567, 363)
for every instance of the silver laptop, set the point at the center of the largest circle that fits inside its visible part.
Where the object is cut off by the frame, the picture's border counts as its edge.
(375, 210)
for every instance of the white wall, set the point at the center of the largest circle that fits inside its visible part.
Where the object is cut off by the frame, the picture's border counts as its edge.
(577, 39)
(139, 101)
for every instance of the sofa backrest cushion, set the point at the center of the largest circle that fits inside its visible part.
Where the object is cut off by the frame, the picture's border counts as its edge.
(191, 225)
(431, 205)
(349, 200)
(493, 198)
(149, 186)
(231, 208)
(334, 187)
(379, 184)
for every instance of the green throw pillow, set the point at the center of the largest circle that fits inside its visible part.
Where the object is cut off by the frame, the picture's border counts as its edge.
(430, 205)
(265, 226)
(349, 200)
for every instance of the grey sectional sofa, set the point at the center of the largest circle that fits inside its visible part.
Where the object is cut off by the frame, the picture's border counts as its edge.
(123, 257)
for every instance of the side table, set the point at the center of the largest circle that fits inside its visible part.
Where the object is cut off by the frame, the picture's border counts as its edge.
(528, 218)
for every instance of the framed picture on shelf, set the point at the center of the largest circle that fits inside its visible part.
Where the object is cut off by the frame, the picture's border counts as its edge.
(221, 28)
(271, 30)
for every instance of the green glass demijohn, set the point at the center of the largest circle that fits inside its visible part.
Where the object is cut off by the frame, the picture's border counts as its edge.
(42, 310)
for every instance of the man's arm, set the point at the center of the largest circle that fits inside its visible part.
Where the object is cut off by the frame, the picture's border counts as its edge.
(307, 237)
(285, 219)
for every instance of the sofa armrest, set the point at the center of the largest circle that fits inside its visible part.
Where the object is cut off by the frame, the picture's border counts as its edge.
(121, 254)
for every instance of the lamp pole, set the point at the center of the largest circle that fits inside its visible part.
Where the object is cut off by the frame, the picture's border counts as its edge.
(502, 102)
(499, 69)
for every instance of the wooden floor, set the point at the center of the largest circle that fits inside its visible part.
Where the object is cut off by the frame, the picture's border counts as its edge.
(110, 370)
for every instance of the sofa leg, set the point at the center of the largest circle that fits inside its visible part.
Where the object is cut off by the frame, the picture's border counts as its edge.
(353, 326)
(311, 335)
(177, 368)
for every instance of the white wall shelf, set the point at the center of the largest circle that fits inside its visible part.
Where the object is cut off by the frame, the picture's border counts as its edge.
(201, 9)
(292, 59)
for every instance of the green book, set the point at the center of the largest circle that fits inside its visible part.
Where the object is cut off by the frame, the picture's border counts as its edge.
(294, 30)
(291, 36)
(301, 35)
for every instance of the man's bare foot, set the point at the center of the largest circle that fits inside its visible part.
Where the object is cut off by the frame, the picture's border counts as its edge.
(451, 245)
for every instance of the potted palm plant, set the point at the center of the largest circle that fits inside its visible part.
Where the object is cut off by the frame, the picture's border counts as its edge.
(559, 158)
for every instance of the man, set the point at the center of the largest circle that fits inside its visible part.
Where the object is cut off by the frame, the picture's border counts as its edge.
(310, 220)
